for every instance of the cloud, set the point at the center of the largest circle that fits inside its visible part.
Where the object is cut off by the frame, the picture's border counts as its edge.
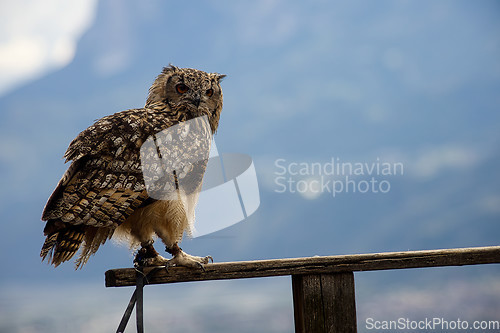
(457, 298)
(490, 204)
(243, 306)
(40, 39)
(436, 159)
(265, 23)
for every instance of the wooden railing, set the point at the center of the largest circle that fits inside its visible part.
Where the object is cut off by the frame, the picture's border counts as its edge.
(322, 287)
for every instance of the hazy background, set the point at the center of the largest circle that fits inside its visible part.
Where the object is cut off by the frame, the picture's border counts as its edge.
(412, 82)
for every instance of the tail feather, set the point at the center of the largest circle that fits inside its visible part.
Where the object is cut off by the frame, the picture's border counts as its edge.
(94, 237)
(48, 246)
(62, 245)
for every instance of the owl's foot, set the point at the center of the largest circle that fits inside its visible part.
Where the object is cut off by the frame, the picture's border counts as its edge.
(147, 256)
(181, 258)
(187, 260)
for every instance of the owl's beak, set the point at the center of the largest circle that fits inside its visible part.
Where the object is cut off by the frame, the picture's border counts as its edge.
(196, 101)
(193, 107)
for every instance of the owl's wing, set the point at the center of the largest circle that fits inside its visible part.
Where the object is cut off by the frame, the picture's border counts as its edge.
(97, 191)
(103, 185)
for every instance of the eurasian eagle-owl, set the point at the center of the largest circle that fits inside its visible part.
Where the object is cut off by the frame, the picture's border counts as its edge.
(103, 192)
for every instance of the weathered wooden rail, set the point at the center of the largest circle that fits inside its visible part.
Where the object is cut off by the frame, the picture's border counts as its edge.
(322, 287)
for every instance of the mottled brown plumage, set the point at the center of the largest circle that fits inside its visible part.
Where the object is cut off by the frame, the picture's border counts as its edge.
(104, 193)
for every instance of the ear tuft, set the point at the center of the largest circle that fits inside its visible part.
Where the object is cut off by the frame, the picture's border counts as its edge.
(170, 68)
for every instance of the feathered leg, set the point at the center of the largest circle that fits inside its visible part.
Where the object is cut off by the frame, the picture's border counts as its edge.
(180, 258)
(148, 256)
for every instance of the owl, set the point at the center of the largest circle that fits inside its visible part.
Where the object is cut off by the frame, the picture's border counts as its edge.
(129, 178)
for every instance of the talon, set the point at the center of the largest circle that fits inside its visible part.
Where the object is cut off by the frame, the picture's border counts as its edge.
(167, 265)
(202, 267)
(183, 259)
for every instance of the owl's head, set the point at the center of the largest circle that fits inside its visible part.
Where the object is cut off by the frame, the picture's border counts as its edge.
(189, 93)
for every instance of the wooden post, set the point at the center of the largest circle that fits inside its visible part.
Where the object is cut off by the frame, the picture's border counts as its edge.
(323, 287)
(324, 303)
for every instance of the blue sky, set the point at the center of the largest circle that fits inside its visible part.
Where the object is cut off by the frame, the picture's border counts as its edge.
(414, 82)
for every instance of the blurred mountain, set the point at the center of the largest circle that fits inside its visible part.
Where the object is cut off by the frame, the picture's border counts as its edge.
(409, 82)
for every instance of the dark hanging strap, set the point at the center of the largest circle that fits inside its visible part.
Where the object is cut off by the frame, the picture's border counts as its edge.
(137, 297)
(128, 312)
(139, 288)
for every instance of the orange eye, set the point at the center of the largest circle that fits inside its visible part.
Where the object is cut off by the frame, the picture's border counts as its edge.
(210, 92)
(181, 88)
